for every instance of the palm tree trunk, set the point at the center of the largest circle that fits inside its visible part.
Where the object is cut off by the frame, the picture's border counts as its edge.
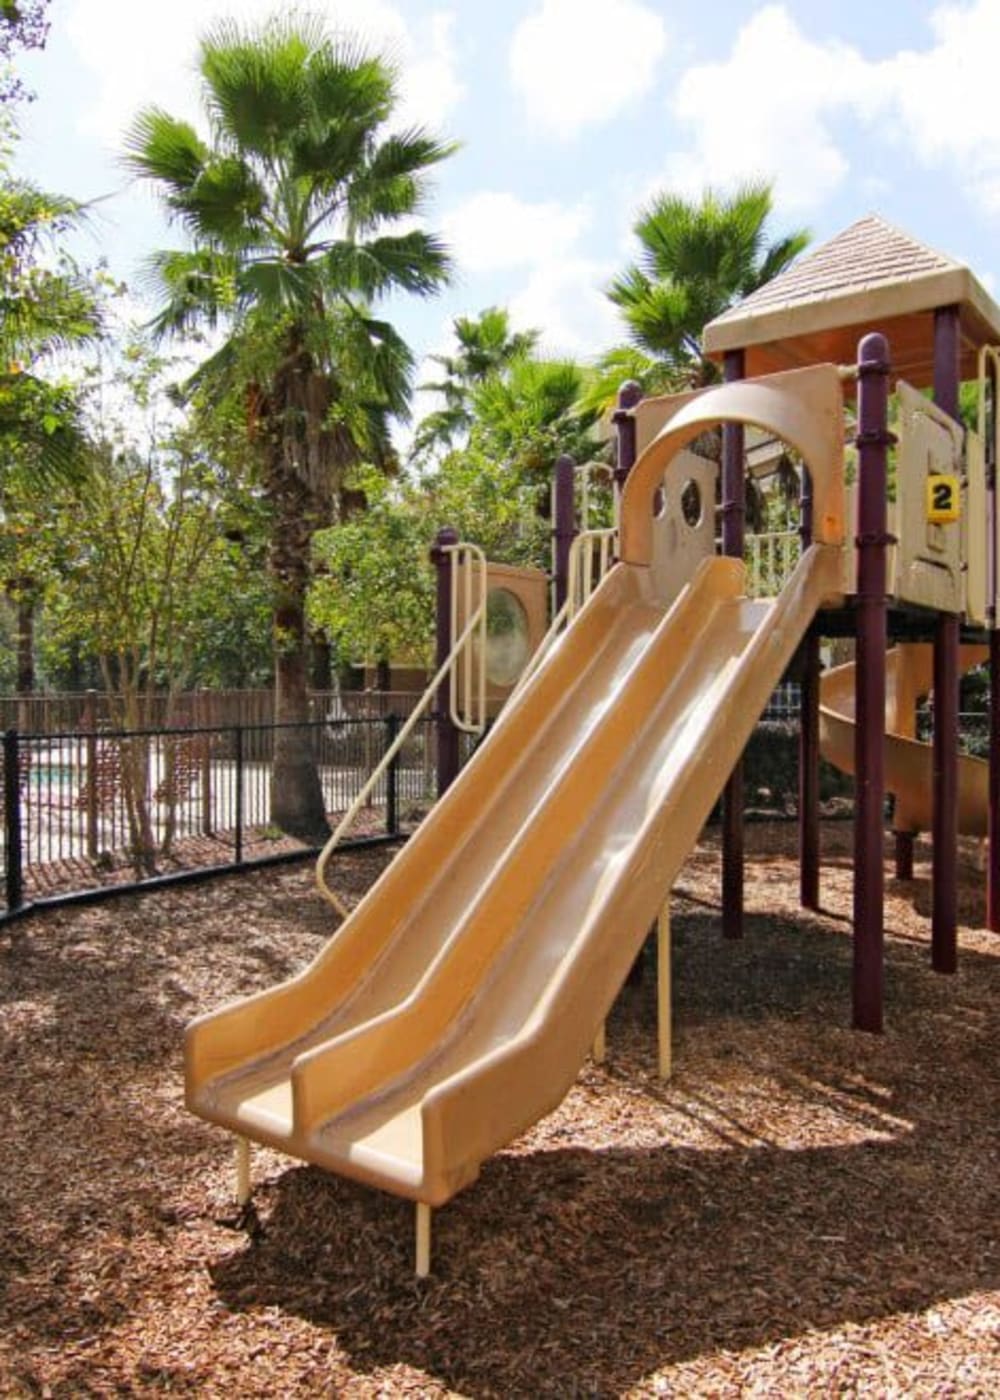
(25, 644)
(297, 805)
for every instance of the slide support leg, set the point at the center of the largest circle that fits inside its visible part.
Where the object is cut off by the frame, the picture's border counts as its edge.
(423, 1239)
(664, 993)
(242, 1171)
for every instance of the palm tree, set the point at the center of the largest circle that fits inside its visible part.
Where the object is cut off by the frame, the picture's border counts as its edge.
(697, 259)
(486, 347)
(46, 306)
(289, 207)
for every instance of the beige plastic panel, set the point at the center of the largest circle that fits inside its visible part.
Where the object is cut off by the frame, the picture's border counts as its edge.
(455, 1005)
(529, 588)
(929, 556)
(850, 551)
(975, 531)
(678, 545)
(804, 408)
(909, 769)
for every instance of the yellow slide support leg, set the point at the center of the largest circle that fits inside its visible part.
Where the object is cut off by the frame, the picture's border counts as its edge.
(664, 993)
(242, 1171)
(423, 1239)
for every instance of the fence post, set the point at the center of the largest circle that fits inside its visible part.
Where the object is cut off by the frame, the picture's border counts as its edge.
(90, 725)
(12, 820)
(238, 815)
(392, 778)
(203, 719)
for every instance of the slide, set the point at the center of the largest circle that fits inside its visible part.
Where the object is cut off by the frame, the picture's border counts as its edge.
(455, 1005)
(909, 764)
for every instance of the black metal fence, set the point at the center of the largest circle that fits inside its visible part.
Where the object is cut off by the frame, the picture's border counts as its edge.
(86, 811)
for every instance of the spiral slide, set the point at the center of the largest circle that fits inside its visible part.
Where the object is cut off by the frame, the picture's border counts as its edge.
(456, 1004)
(908, 763)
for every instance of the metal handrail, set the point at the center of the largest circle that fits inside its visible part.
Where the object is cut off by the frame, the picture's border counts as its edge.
(581, 583)
(447, 671)
(391, 752)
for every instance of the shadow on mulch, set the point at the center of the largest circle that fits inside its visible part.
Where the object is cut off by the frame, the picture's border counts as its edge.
(567, 1271)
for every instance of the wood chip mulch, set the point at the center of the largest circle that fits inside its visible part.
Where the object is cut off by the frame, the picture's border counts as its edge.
(801, 1210)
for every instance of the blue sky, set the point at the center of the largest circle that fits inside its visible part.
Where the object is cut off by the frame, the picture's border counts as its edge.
(570, 114)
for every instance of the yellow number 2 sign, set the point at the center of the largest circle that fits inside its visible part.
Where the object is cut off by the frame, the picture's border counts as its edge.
(943, 499)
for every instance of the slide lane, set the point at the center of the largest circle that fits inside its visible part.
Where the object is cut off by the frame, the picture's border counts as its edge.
(456, 1004)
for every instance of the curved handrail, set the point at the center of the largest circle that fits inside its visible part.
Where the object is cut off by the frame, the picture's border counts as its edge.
(581, 583)
(446, 671)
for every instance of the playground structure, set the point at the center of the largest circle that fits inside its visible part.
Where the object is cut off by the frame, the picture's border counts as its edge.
(455, 1004)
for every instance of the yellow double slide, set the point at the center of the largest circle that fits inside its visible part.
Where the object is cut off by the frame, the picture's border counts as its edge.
(456, 1004)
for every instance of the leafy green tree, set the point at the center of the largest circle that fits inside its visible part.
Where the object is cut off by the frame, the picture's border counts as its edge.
(697, 259)
(486, 347)
(375, 594)
(46, 306)
(289, 207)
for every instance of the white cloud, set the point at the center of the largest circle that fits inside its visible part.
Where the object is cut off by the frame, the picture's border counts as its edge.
(764, 112)
(145, 53)
(944, 98)
(577, 63)
(495, 229)
(566, 301)
(429, 83)
(770, 108)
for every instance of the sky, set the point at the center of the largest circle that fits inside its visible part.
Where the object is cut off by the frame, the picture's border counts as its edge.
(571, 115)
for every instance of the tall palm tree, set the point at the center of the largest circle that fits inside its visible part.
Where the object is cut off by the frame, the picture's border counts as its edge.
(697, 259)
(46, 306)
(486, 347)
(289, 206)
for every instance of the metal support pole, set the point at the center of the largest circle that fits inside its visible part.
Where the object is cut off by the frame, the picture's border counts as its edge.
(993, 587)
(733, 529)
(238, 794)
(563, 524)
(392, 725)
(944, 886)
(90, 779)
(808, 735)
(447, 734)
(869, 876)
(629, 395)
(14, 871)
(993, 849)
(664, 994)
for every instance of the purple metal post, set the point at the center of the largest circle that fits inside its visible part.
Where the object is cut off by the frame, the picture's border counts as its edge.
(563, 523)
(869, 876)
(447, 734)
(733, 520)
(993, 580)
(629, 395)
(993, 816)
(808, 736)
(944, 887)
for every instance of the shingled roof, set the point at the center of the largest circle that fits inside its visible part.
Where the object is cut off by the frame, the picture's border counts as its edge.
(871, 276)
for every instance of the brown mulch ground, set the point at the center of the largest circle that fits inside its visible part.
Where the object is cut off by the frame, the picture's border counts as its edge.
(801, 1210)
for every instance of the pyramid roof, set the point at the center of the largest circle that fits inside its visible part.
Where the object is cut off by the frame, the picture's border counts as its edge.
(872, 276)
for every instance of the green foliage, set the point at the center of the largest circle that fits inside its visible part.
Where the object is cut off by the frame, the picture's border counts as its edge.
(486, 349)
(697, 259)
(374, 592)
(23, 25)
